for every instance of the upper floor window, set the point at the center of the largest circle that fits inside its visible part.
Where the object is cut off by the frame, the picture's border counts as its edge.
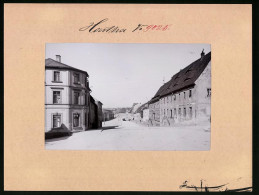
(56, 97)
(76, 78)
(76, 97)
(208, 92)
(190, 93)
(184, 95)
(174, 97)
(57, 76)
(184, 112)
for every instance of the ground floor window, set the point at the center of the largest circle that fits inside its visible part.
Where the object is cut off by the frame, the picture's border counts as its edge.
(184, 112)
(76, 120)
(56, 121)
(190, 112)
(175, 112)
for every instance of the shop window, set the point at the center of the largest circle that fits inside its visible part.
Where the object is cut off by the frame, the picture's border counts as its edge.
(56, 121)
(76, 120)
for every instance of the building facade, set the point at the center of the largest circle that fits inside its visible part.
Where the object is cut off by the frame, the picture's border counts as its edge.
(67, 99)
(186, 98)
(95, 116)
(108, 114)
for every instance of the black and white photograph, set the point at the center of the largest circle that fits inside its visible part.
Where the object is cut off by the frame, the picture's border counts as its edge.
(128, 96)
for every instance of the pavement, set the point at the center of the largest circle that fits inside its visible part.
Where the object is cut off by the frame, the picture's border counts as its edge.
(128, 135)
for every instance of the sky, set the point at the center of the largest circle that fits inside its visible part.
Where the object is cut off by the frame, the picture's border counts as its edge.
(121, 74)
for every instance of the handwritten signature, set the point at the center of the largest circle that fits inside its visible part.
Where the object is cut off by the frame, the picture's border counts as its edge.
(98, 27)
(205, 188)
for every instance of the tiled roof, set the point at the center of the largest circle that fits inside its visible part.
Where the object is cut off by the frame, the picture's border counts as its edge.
(184, 78)
(141, 108)
(53, 64)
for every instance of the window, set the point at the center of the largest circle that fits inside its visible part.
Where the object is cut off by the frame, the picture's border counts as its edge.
(179, 111)
(164, 100)
(56, 97)
(56, 76)
(190, 93)
(167, 99)
(76, 120)
(171, 115)
(184, 112)
(76, 78)
(164, 111)
(179, 96)
(208, 92)
(76, 98)
(174, 97)
(190, 112)
(184, 95)
(56, 121)
(175, 112)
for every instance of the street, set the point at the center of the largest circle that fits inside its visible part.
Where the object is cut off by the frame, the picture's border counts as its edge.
(127, 135)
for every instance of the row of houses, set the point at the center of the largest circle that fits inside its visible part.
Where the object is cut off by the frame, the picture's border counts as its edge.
(108, 114)
(185, 98)
(68, 103)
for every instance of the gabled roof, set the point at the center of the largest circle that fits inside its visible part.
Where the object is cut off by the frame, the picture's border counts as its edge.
(141, 108)
(53, 64)
(184, 78)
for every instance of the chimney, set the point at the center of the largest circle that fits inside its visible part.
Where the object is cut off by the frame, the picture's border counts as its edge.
(58, 58)
(202, 54)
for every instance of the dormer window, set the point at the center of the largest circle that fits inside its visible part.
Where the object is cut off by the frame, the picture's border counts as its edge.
(76, 78)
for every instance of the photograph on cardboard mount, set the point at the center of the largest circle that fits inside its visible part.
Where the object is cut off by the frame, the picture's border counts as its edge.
(127, 96)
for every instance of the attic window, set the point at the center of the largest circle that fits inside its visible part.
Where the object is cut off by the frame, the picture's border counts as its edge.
(189, 70)
(176, 77)
(187, 79)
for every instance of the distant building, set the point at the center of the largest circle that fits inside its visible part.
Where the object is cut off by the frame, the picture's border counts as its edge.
(67, 97)
(108, 114)
(186, 97)
(95, 117)
(134, 107)
(139, 113)
(145, 115)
